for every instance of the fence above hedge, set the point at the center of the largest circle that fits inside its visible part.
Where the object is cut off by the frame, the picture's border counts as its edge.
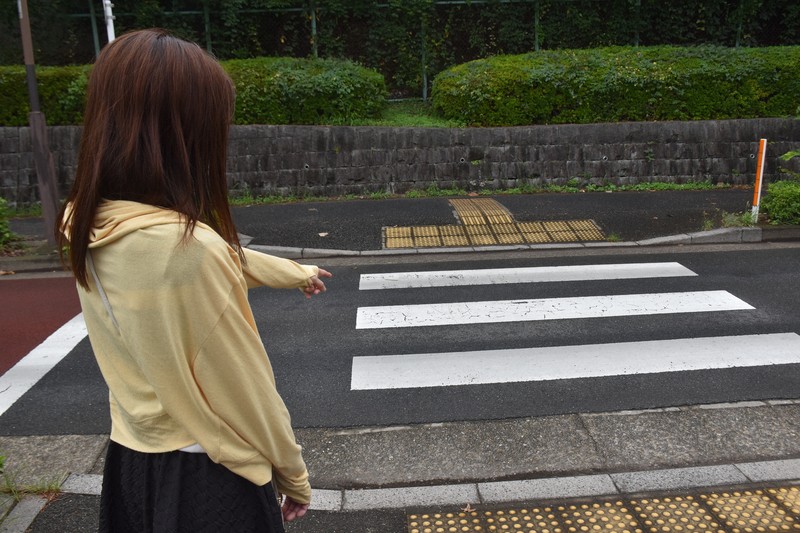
(622, 84)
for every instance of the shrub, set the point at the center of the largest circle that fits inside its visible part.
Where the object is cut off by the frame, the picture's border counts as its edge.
(268, 91)
(782, 202)
(6, 236)
(304, 91)
(616, 84)
(62, 92)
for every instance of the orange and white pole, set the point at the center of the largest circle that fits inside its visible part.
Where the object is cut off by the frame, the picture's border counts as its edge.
(762, 154)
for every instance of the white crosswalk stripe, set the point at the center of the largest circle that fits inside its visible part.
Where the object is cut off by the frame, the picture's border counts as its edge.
(568, 362)
(442, 369)
(497, 276)
(402, 316)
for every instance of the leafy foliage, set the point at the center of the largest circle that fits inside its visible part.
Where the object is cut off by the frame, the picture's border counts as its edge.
(406, 40)
(62, 92)
(616, 84)
(304, 91)
(782, 202)
(6, 239)
(269, 91)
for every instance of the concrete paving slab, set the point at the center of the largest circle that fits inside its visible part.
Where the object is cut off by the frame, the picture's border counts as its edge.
(788, 469)
(453, 452)
(681, 238)
(546, 489)
(679, 478)
(752, 234)
(325, 252)
(721, 235)
(33, 460)
(356, 500)
(693, 437)
(326, 500)
(22, 514)
(83, 484)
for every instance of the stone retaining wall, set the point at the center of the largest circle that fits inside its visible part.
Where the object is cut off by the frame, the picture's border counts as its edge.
(335, 160)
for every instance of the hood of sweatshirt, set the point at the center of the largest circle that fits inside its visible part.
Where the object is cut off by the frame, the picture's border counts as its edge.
(117, 218)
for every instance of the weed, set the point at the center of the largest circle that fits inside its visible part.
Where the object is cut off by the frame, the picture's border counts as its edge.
(737, 220)
(49, 487)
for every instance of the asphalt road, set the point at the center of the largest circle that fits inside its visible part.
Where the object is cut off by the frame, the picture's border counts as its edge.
(312, 343)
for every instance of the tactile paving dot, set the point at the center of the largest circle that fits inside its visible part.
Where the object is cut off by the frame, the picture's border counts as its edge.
(451, 231)
(426, 231)
(678, 514)
(556, 226)
(530, 227)
(398, 232)
(536, 238)
(749, 511)
(404, 242)
(599, 517)
(790, 496)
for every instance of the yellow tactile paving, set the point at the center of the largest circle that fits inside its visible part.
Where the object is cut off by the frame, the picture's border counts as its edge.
(750, 512)
(746, 511)
(536, 238)
(398, 232)
(426, 231)
(484, 222)
(789, 498)
(679, 513)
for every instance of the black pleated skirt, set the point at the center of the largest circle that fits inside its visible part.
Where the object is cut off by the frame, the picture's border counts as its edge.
(177, 492)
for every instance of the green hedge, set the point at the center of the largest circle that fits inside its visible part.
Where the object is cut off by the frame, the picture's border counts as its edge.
(619, 84)
(268, 91)
(304, 91)
(61, 94)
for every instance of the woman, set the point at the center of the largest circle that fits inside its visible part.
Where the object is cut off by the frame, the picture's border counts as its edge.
(200, 438)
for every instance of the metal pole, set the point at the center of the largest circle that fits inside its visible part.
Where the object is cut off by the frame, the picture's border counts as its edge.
(207, 21)
(424, 64)
(95, 36)
(109, 16)
(762, 154)
(43, 159)
(314, 30)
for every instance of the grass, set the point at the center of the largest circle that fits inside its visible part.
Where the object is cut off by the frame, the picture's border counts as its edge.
(49, 488)
(410, 113)
(433, 191)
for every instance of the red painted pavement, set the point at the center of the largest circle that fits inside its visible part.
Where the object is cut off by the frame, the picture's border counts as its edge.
(30, 311)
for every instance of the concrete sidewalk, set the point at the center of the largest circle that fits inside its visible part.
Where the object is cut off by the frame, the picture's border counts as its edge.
(364, 476)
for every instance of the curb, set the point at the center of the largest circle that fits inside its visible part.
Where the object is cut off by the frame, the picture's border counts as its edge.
(497, 492)
(744, 235)
(718, 236)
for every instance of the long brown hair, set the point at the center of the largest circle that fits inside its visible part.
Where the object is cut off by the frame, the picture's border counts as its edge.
(155, 131)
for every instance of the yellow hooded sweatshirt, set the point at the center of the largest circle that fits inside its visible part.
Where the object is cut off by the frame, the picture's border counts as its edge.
(180, 352)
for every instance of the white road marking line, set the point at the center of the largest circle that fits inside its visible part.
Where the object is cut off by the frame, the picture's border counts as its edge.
(30, 369)
(496, 276)
(571, 362)
(403, 316)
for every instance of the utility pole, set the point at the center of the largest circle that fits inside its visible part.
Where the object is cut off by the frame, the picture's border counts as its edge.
(43, 159)
(109, 17)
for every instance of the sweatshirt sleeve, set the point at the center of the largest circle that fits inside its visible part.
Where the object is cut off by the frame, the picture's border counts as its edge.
(276, 272)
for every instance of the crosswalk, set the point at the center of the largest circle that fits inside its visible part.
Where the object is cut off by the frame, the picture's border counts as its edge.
(443, 369)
